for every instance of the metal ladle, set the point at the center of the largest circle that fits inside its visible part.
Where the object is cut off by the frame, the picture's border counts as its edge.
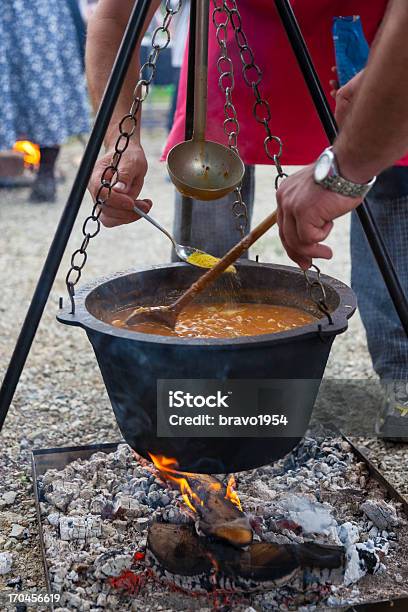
(200, 168)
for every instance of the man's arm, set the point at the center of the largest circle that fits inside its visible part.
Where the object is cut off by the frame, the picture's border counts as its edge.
(373, 137)
(105, 32)
(375, 134)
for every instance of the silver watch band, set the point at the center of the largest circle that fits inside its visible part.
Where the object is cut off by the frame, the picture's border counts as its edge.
(340, 185)
(333, 181)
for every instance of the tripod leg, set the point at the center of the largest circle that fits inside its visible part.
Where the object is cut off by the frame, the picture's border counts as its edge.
(64, 229)
(323, 109)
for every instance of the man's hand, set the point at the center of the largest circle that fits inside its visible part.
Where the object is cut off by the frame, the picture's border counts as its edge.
(345, 96)
(305, 216)
(132, 170)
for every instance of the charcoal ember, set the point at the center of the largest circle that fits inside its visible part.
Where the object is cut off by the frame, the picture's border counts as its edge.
(98, 503)
(112, 564)
(123, 455)
(126, 506)
(362, 559)
(60, 493)
(80, 527)
(6, 562)
(53, 518)
(141, 524)
(262, 490)
(107, 512)
(383, 515)
(348, 533)
(369, 557)
(154, 499)
(381, 546)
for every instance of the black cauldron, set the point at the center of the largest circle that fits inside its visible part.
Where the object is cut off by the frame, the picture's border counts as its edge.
(131, 363)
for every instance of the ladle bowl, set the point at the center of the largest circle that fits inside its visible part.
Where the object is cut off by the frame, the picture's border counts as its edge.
(204, 170)
(199, 168)
(132, 363)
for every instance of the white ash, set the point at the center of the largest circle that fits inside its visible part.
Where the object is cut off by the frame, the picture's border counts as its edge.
(383, 515)
(80, 527)
(96, 514)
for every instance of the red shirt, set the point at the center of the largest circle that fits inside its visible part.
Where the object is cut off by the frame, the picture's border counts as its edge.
(294, 118)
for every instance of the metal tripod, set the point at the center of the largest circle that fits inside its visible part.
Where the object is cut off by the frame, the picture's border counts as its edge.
(64, 229)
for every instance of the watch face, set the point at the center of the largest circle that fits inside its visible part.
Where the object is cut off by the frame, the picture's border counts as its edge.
(322, 167)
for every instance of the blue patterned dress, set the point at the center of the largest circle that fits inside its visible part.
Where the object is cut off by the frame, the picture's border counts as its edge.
(42, 85)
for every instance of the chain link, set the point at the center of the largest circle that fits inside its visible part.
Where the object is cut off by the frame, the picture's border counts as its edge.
(317, 292)
(127, 128)
(226, 81)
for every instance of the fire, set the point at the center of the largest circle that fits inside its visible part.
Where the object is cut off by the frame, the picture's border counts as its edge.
(231, 493)
(31, 152)
(168, 469)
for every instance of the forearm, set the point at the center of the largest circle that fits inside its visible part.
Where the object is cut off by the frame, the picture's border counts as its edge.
(375, 134)
(105, 32)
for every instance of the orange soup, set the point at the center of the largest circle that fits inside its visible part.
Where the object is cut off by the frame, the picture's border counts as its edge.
(222, 321)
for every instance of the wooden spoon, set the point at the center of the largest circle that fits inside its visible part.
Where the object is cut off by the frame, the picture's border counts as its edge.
(167, 315)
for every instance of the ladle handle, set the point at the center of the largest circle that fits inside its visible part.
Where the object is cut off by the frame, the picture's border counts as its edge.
(201, 70)
(226, 261)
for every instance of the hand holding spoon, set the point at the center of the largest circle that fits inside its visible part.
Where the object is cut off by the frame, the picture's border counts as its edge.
(167, 315)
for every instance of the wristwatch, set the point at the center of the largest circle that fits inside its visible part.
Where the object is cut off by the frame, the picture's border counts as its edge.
(327, 175)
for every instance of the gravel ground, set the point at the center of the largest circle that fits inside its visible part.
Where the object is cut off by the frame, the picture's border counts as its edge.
(61, 400)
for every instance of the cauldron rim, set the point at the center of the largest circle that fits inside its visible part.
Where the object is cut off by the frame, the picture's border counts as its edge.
(340, 315)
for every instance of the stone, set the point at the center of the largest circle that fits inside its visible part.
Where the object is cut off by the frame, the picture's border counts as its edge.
(9, 498)
(18, 532)
(6, 562)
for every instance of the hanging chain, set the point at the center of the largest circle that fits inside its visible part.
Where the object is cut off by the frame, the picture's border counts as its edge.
(226, 82)
(252, 75)
(127, 127)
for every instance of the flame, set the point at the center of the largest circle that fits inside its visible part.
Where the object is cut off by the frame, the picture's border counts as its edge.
(168, 469)
(30, 150)
(231, 493)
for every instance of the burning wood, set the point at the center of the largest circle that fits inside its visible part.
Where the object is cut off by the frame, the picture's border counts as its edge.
(217, 507)
(177, 554)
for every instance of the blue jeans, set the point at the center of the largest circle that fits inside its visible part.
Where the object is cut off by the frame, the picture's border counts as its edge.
(387, 341)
